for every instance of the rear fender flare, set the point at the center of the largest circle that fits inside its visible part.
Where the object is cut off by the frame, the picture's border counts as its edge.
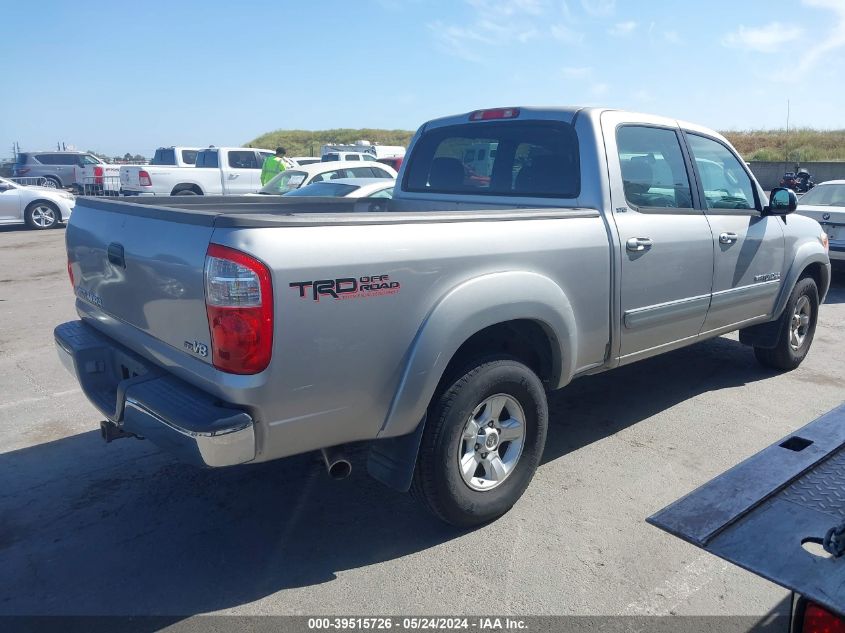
(465, 310)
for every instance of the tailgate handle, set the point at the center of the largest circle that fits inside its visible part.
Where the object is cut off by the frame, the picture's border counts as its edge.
(115, 251)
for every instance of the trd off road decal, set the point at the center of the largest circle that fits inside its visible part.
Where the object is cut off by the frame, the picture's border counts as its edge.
(347, 287)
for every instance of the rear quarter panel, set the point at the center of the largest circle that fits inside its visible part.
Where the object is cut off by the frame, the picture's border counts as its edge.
(337, 363)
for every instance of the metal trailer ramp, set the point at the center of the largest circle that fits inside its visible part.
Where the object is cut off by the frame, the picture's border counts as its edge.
(768, 513)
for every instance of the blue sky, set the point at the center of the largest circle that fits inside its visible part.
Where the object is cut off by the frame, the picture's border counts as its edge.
(118, 77)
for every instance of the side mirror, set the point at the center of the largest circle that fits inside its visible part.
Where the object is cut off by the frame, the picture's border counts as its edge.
(782, 201)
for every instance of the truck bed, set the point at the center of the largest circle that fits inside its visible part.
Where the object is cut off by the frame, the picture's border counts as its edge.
(274, 211)
(758, 514)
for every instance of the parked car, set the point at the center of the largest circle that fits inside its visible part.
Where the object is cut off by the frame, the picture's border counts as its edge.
(301, 161)
(394, 163)
(347, 188)
(246, 331)
(347, 156)
(58, 169)
(175, 156)
(295, 178)
(38, 207)
(217, 171)
(826, 204)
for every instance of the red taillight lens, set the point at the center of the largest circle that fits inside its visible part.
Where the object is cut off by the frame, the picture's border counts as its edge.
(20, 171)
(239, 303)
(496, 113)
(98, 175)
(819, 620)
(70, 274)
(144, 179)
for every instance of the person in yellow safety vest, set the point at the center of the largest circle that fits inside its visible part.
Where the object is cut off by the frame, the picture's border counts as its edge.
(273, 165)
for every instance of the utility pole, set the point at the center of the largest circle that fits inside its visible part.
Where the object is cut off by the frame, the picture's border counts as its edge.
(787, 134)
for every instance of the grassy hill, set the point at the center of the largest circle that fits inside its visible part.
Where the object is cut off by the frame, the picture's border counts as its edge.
(802, 144)
(307, 143)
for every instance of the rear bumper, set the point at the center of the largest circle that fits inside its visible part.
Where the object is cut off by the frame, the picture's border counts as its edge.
(143, 399)
(836, 250)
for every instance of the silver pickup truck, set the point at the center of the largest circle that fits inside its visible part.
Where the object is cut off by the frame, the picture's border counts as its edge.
(524, 248)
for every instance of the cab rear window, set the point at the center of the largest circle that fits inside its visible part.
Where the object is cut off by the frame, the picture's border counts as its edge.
(514, 158)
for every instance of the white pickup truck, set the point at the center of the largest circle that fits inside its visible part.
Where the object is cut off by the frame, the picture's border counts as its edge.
(217, 171)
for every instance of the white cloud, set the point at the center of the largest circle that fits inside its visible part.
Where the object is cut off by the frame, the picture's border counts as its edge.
(599, 8)
(833, 40)
(576, 72)
(494, 23)
(563, 33)
(672, 37)
(599, 89)
(622, 28)
(769, 38)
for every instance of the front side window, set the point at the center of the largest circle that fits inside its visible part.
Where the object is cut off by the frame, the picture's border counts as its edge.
(242, 159)
(87, 159)
(514, 158)
(654, 173)
(726, 184)
(369, 157)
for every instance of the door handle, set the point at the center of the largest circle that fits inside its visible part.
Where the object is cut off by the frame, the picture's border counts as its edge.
(637, 244)
(727, 238)
(233, 176)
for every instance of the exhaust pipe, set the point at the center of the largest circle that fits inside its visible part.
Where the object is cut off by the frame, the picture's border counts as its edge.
(110, 431)
(337, 465)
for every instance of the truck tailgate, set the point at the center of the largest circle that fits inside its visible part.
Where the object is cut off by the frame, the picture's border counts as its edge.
(144, 270)
(129, 176)
(761, 513)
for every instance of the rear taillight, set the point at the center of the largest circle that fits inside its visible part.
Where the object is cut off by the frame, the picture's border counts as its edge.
(20, 171)
(70, 274)
(496, 113)
(98, 175)
(239, 303)
(819, 620)
(144, 179)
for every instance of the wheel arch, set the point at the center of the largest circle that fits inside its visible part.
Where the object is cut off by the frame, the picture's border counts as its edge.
(187, 186)
(810, 260)
(522, 314)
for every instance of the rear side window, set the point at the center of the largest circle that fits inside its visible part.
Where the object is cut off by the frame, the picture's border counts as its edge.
(243, 159)
(517, 158)
(55, 159)
(189, 156)
(353, 157)
(164, 157)
(330, 157)
(208, 158)
(654, 173)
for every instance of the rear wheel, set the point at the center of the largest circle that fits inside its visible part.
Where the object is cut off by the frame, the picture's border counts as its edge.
(52, 182)
(185, 192)
(42, 215)
(796, 329)
(482, 442)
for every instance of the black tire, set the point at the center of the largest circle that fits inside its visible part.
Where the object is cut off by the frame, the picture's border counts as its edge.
(52, 181)
(36, 213)
(438, 481)
(185, 192)
(786, 356)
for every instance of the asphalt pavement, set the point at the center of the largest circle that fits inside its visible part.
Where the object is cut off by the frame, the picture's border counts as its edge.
(88, 528)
